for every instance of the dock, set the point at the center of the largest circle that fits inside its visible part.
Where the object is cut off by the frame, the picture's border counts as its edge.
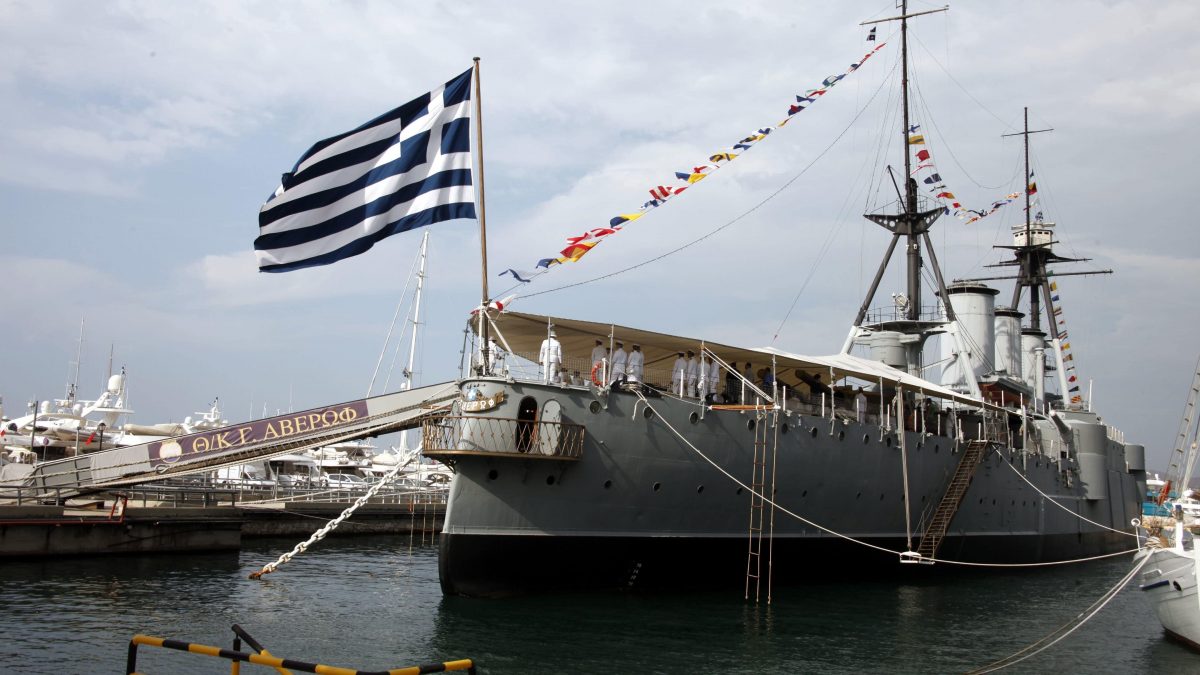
(174, 519)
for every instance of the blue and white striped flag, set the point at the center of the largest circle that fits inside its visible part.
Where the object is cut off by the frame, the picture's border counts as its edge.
(407, 168)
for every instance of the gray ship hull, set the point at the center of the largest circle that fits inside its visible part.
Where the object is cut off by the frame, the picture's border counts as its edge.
(641, 509)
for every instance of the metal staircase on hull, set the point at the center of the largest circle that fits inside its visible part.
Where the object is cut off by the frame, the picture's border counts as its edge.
(961, 480)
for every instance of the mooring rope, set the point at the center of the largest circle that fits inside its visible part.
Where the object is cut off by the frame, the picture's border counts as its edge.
(1064, 508)
(847, 537)
(765, 499)
(1060, 633)
(331, 525)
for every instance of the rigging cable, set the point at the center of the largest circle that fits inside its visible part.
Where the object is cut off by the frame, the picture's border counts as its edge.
(960, 85)
(736, 219)
(881, 149)
(392, 327)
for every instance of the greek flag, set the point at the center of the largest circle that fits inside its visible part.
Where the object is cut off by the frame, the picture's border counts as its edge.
(407, 168)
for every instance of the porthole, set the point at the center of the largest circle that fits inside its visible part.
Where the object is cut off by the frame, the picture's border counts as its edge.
(657, 487)
(993, 502)
(841, 435)
(699, 489)
(920, 445)
(493, 474)
(866, 438)
(549, 480)
(858, 496)
(813, 432)
(647, 413)
(694, 418)
(739, 490)
(595, 407)
(880, 496)
(607, 484)
(783, 428)
(888, 441)
(936, 448)
(750, 424)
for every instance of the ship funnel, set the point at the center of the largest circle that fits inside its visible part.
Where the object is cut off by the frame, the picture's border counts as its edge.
(890, 348)
(975, 308)
(1033, 361)
(1008, 342)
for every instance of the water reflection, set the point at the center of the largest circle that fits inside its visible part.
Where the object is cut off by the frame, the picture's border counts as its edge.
(374, 603)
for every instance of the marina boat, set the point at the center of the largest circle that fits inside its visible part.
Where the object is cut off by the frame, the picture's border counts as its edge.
(68, 426)
(1168, 581)
(1169, 577)
(795, 467)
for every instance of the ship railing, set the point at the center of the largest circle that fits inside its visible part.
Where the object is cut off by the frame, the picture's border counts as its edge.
(890, 313)
(577, 371)
(449, 435)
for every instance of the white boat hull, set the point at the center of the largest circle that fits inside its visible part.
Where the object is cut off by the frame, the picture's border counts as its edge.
(1169, 584)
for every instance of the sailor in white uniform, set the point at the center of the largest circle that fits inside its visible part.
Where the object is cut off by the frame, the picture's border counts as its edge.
(495, 357)
(550, 356)
(599, 360)
(620, 359)
(690, 373)
(714, 375)
(637, 361)
(677, 373)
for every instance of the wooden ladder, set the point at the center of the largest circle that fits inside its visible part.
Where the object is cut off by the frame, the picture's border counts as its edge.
(959, 483)
(758, 487)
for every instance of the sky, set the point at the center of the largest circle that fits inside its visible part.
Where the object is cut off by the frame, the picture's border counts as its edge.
(139, 139)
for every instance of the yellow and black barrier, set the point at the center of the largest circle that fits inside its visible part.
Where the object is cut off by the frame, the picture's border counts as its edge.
(237, 657)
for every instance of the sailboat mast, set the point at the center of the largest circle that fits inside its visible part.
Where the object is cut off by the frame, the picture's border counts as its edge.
(73, 387)
(483, 318)
(416, 321)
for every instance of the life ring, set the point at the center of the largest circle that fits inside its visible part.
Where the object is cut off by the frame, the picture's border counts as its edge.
(596, 369)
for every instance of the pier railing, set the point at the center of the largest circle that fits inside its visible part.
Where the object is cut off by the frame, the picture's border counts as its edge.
(183, 493)
(449, 435)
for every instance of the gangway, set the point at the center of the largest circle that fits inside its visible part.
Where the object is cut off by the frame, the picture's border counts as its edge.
(240, 443)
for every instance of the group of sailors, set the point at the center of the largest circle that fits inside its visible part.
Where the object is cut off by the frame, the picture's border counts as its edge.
(690, 375)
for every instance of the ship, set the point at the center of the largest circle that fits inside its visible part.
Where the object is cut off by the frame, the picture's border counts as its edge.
(585, 475)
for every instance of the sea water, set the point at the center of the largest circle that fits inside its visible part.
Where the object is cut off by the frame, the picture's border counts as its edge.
(374, 604)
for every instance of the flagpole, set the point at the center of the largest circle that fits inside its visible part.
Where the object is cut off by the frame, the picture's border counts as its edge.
(483, 324)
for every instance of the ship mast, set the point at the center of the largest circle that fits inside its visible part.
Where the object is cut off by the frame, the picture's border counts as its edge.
(1033, 269)
(1033, 251)
(910, 223)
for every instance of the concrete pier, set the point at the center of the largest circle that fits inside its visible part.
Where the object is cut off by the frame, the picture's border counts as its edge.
(31, 531)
